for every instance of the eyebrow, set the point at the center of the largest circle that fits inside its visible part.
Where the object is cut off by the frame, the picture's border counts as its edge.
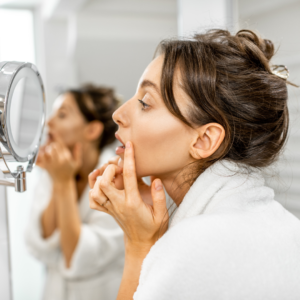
(148, 83)
(65, 107)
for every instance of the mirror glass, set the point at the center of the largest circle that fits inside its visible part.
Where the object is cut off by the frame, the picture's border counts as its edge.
(25, 113)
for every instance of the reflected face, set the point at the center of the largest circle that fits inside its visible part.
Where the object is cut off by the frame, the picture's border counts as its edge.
(66, 121)
(161, 141)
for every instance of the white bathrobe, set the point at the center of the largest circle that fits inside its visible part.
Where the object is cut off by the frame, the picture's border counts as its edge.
(97, 263)
(229, 239)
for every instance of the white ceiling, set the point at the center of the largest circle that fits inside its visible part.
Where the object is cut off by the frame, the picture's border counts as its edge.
(157, 7)
(49, 8)
(19, 3)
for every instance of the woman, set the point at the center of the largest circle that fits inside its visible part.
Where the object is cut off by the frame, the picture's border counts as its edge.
(82, 249)
(208, 115)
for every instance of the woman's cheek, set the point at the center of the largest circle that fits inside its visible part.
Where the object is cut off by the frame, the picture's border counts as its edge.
(159, 153)
(70, 133)
(149, 159)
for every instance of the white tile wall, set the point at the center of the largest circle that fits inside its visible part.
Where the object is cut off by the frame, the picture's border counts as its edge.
(279, 21)
(5, 287)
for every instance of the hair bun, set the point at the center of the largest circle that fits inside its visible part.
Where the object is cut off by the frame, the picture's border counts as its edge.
(248, 38)
(267, 49)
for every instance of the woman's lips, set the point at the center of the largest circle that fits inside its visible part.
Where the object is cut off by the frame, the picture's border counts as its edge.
(119, 149)
(50, 137)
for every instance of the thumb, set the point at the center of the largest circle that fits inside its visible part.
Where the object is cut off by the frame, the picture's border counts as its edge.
(159, 200)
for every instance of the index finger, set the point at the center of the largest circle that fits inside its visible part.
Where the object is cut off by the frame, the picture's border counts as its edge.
(114, 160)
(110, 172)
(93, 175)
(129, 171)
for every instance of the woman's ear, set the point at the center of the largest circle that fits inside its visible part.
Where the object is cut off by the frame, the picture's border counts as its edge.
(207, 141)
(94, 130)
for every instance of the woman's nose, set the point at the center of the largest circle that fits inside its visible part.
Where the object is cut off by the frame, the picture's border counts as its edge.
(120, 116)
(50, 121)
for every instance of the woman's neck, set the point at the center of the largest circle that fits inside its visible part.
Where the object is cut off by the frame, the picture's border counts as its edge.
(176, 186)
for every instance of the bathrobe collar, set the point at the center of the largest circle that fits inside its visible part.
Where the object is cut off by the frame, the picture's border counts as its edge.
(220, 184)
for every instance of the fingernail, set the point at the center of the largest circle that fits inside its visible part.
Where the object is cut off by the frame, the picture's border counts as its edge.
(128, 145)
(158, 185)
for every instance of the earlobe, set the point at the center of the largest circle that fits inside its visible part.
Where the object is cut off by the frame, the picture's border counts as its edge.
(207, 141)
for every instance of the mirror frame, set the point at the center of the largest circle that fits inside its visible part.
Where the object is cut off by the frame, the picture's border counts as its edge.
(8, 72)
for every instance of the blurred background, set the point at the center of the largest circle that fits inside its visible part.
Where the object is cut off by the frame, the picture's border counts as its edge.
(110, 42)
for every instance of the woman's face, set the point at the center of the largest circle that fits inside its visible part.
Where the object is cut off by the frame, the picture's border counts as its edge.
(66, 122)
(161, 141)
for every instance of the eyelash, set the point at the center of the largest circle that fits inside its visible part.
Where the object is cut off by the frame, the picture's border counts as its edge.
(61, 115)
(145, 105)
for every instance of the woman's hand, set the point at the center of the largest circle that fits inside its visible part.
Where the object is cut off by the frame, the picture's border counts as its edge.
(144, 189)
(118, 180)
(142, 222)
(58, 160)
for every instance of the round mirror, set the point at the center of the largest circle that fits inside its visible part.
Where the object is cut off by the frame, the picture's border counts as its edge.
(22, 106)
(24, 114)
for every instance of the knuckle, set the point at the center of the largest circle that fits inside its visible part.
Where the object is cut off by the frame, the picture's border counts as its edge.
(93, 205)
(93, 195)
(111, 167)
(130, 204)
(103, 184)
(114, 160)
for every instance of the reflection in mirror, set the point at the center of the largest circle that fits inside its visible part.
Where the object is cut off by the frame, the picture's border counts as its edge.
(25, 112)
(15, 113)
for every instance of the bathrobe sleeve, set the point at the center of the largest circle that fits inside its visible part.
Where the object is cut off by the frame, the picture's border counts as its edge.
(46, 250)
(100, 242)
(100, 246)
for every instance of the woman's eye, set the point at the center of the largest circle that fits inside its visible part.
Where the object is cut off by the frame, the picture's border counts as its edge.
(145, 105)
(61, 115)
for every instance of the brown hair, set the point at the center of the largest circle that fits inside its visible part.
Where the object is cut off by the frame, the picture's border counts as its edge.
(229, 81)
(98, 103)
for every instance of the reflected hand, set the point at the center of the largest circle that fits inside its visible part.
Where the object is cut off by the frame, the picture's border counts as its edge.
(141, 222)
(58, 160)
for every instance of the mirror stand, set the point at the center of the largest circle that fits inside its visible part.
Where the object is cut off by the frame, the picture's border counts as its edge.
(19, 182)
(22, 116)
